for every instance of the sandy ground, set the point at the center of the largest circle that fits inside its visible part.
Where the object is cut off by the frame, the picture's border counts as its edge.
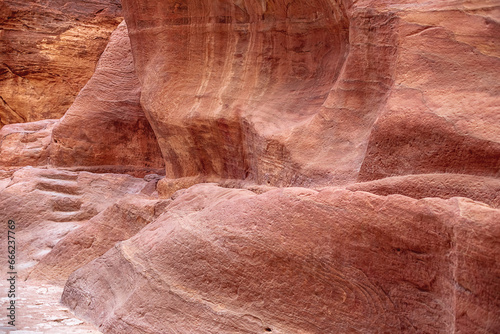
(38, 311)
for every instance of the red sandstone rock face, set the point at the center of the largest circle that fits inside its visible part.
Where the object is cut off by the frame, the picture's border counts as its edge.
(25, 144)
(106, 125)
(116, 223)
(443, 114)
(48, 51)
(381, 97)
(105, 130)
(225, 97)
(299, 261)
(48, 204)
(287, 93)
(482, 189)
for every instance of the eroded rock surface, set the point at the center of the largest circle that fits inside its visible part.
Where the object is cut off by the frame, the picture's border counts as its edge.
(118, 222)
(395, 103)
(320, 92)
(48, 204)
(48, 51)
(26, 144)
(104, 130)
(299, 261)
(225, 98)
(106, 125)
(40, 312)
(478, 188)
(443, 113)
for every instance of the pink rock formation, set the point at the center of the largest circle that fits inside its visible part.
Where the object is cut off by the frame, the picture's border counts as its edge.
(374, 108)
(299, 261)
(478, 188)
(116, 223)
(105, 130)
(26, 144)
(288, 93)
(48, 51)
(443, 113)
(47, 204)
(225, 97)
(106, 126)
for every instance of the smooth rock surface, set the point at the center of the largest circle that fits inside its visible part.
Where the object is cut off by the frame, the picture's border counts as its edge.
(299, 261)
(48, 51)
(320, 92)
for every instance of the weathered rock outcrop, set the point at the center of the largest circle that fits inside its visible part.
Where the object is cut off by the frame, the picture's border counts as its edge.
(443, 113)
(104, 130)
(48, 204)
(226, 85)
(106, 126)
(299, 261)
(478, 188)
(26, 144)
(374, 108)
(116, 223)
(319, 92)
(48, 51)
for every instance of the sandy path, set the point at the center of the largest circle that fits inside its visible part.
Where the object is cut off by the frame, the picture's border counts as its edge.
(38, 311)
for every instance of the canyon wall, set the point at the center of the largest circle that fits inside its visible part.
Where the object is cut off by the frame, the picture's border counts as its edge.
(395, 98)
(295, 166)
(104, 130)
(106, 126)
(295, 260)
(319, 92)
(48, 51)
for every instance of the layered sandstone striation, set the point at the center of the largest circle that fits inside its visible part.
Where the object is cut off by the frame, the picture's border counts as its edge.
(393, 102)
(299, 261)
(51, 207)
(106, 125)
(104, 130)
(26, 144)
(119, 221)
(288, 94)
(48, 51)
(225, 84)
(443, 112)
(478, 188)
(332, 166)
(321, 92)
